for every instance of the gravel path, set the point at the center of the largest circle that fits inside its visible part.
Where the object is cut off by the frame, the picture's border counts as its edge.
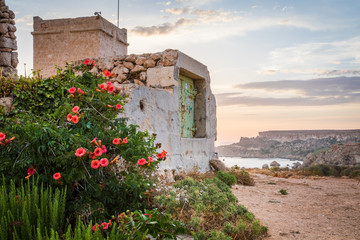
(317, 208)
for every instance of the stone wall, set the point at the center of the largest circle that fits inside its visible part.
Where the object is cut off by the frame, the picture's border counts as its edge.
(8, 44)
(64, 40)
(151, 81)
(127, 69)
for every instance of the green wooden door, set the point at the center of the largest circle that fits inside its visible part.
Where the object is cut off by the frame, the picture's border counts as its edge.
(187, 97)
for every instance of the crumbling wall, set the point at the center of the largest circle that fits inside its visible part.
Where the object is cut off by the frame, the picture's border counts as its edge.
(8, 44)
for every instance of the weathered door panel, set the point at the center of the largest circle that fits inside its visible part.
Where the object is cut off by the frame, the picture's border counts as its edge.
(187, 97)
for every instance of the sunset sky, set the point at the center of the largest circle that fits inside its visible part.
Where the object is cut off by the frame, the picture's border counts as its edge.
(274, 65)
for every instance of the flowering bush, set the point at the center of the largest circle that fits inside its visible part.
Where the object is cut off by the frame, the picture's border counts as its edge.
(67, 132)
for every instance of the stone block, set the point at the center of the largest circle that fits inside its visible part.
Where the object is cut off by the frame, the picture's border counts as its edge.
(2, 3)
(142, 76)
(4, 15)
(3, 28)
(11, 28)
(14, 59)
(149, 63)
(120, 70)
(140, 60)
(128, 65)
(137, 69)
(131, 58)
(12, 35)
(217, 165)
(4, 9)
(11, 14)
(5, 59)
(8, 43)
(161, 77)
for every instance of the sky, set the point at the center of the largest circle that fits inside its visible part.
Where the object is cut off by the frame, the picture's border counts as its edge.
(274, 65)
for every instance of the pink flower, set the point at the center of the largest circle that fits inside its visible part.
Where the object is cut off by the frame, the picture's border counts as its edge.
(118, 106)
(109, 84)
(105, 225)
(69, 117)
(104, 162)
(141, 161)
(125, 140)
(87, 62)
(2, 136)
(116, 141)
(57, 176)
(101, 86)
(75, 119)
(95, 226)
(76, 109)
(111, 89)
(95, 164)
(31, 171)
(92, 155)
(107, 73)
(98, 151)
(72, 90)
(80, 152)
(151, 159)
(104, 150)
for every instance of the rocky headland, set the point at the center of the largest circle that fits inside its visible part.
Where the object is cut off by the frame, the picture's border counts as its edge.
(296, 144)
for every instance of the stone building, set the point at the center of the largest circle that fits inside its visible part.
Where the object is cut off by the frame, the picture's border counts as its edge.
(8, 44)
(169, 92)
(64, 40)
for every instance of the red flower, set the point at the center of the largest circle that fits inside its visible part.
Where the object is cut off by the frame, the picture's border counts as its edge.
(2, 136)
(95, 164)
(104, 150)
(80, 152)
(125, 140)
(69, 117)
(116, 141)
(98, 151)
(87, 62)
(105, 225)
(141, 161)
(146, 214)
(164, 153)
(76, 109)
(95, 226)
(72, 90)
(75, 119)
(31, 171)
(111, 89)
(80, 91)
(109, 84)
(94, 141)
(159, 155)
(151, 159)
(57, 176)
(92, 155)
(118, 106)
(104, 162)
(107, 73)
(101, 86)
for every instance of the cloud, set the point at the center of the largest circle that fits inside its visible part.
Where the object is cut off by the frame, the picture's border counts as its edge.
(164, 28)
(26, 19)
(314, 92)
(301, 58)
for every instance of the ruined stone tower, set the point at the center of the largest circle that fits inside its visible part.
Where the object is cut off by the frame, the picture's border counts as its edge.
(8, 44)
(64, 40)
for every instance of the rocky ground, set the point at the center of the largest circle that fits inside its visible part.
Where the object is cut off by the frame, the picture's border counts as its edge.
(321, 208)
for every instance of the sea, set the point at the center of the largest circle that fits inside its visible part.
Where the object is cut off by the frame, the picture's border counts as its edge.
(256, 162)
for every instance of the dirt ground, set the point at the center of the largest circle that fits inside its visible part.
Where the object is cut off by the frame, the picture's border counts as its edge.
(315, 208)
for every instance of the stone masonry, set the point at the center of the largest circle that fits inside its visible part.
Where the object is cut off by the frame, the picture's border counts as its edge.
(64, 40)
(8, 44)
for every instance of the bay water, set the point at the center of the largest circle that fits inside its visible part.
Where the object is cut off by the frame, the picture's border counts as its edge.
(256, 162)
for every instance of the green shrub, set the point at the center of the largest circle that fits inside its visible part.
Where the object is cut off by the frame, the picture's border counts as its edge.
(208, 208)
(283, 191)
(47, 141)
(243, 177)
(228, 178)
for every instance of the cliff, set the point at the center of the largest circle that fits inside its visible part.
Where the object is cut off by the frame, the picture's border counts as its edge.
(342, 154)
(295, 144)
